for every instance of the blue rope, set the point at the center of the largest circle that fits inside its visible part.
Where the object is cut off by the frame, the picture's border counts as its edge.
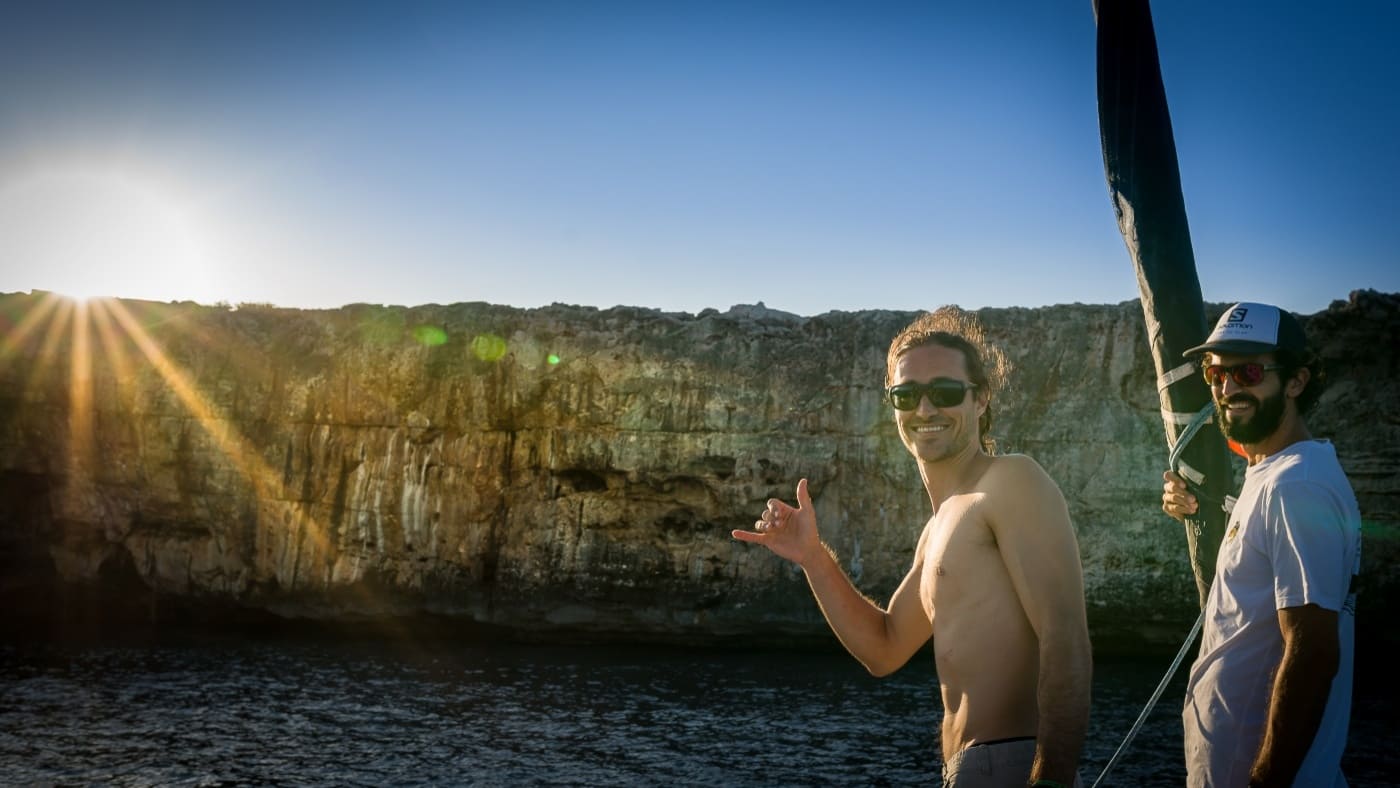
(1202, 416)
(1157, 693)
(1199, 420)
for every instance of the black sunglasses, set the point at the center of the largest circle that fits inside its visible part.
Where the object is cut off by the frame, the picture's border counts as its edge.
(1247, 374)
(942, 392)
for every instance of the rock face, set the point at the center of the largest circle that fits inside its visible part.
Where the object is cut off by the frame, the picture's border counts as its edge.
(571, 469)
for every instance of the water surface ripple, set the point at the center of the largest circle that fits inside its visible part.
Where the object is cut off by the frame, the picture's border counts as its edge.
(228, 712)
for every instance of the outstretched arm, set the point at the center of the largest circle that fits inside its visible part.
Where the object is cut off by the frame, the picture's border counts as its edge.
(1036, 540)
(881, 639)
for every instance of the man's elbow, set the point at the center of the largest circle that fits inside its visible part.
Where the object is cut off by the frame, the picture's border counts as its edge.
(884, 659)
(881, 669)
(1070, 651)
(1322, 656)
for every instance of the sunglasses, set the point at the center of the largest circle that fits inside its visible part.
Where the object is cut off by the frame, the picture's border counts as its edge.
(1247, 374)
(942, 393)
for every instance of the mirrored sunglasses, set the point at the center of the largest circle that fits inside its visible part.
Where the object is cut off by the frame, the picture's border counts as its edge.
(1247, 374)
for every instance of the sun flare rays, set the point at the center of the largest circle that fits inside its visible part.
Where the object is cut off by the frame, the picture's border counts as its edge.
(82, 440)
(55, 324)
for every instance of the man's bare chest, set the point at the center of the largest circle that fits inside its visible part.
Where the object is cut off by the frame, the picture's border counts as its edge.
(960, 551)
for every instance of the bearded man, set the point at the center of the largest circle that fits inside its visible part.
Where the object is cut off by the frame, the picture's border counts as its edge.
(1269, 696)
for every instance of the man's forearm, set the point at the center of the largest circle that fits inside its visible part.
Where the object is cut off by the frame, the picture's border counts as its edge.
(1066, 672)
(1301, 687)
(858, 623)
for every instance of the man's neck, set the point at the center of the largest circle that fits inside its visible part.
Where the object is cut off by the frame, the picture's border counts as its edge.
(954, 475)
(1291, 431)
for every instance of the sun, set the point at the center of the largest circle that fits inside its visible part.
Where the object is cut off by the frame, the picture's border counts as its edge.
(86, 231)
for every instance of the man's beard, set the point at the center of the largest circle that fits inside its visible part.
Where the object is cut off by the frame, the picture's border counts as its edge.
(1268, 415)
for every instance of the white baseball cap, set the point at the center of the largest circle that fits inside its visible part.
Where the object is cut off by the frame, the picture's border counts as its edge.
(1248, 328)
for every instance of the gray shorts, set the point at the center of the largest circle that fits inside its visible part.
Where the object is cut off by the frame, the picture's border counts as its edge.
(1005, 763)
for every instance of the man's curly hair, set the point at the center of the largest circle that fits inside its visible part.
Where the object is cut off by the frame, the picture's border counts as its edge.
(955, 328)
(1292, 361)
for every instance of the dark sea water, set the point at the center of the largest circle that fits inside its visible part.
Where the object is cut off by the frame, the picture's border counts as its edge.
(302, 711)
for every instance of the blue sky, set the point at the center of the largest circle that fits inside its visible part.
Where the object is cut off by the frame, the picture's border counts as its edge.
(813, 156)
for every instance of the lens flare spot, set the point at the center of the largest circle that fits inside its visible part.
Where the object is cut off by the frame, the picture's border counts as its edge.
(488, 347)
(382, 329)
(431, 336)
(551, 359)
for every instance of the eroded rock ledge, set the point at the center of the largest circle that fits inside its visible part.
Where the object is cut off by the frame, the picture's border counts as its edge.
(574, 469)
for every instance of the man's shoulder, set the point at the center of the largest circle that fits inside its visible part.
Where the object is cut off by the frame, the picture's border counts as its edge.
(1019, 479)
(1020, 501)
(1306, 466)
(1016, 468)
(1309, 486)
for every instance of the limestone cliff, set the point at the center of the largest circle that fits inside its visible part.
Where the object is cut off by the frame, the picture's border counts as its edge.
(568, 468)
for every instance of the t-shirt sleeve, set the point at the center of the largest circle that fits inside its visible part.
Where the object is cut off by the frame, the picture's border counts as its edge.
(1307, 545)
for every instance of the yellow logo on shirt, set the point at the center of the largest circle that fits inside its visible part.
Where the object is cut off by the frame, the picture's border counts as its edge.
(1234, 529)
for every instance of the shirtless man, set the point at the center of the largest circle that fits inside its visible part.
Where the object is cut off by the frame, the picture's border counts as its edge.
(996, 580)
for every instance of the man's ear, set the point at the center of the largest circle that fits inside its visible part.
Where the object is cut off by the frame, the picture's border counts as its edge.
(1297, 382)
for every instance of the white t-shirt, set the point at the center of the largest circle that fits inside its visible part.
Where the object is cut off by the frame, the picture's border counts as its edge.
(1293, 539)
